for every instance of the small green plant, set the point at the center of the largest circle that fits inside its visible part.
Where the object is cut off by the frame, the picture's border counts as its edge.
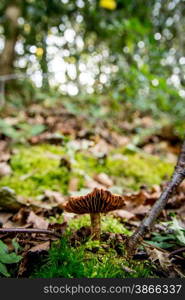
(7, 258)
(174, 235)
(22, 131)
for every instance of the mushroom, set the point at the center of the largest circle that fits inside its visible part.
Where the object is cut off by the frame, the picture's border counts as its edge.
(97, 202)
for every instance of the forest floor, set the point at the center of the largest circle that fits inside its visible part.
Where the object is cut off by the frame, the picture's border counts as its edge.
(49, 153)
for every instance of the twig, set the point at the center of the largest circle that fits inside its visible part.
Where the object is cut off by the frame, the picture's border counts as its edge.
(146, 225)
(177, 251)
(29, 230)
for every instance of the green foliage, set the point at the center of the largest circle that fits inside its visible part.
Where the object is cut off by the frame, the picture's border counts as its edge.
(138, 66)
(23, 131)
(65, 261)
(7, 258)
(174, 235)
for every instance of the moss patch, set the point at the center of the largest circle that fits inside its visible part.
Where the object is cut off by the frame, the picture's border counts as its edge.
(108, 224)
(139, 169)
(65, 261)
(130, 170)
(37, 168)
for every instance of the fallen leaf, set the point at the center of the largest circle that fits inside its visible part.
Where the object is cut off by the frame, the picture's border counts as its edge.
(91, 184)
(5, 169)
(53, 197)
(36, 221)
(162, 257)
(4, 156)
(58, 228)
(124, 214)
(8, 200)
(21, 216)
(40, 247)
(73, 184)
(104, 179)
(141, 210)
(4, 217)
(81, 234)
(100, 149)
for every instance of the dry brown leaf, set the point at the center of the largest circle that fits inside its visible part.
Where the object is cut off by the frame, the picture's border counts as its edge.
(58, 228)
(4, 217)
(137, 198)
(21, 216)
(104, 179)
(36, 221)
(4, 156)
(40, 247)
(91, 184)
(5, 169)
(124, 214)
(73, 184)
(162, 257)
(141, 210)
(54, 197)
(100, 149)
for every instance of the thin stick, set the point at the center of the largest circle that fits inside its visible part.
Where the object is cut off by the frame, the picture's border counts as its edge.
(28, 230)
(177, 251)
(146, 225)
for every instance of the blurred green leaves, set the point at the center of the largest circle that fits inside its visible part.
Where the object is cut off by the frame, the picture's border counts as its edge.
(7, 258)
(21, 131)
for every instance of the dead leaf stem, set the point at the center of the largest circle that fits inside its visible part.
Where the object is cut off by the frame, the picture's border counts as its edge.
(28, 230)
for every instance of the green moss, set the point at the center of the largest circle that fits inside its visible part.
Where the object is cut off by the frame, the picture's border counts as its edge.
(37, 168)
(139, 169)
(127, 169)
(108, 224)
(90, 164)
(65, 261)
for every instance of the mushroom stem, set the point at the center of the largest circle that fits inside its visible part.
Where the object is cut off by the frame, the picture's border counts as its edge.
(95, 226)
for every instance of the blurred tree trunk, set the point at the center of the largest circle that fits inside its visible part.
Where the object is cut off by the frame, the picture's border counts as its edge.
(44, 66)
(12, 13)
(44, 59)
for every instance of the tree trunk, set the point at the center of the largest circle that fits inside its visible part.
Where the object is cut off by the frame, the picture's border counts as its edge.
(44, 59)
(44, 66)
(12, 13)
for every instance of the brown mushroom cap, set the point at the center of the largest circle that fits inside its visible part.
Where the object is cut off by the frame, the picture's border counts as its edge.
(98, 201)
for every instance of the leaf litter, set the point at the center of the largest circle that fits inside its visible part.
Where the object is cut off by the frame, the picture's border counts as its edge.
(53, 126)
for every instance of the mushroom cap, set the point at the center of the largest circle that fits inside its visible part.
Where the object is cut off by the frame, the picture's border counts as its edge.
(98, 201)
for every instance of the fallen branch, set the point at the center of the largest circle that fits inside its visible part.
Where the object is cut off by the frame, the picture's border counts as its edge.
(29, 230)
(146, 225)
